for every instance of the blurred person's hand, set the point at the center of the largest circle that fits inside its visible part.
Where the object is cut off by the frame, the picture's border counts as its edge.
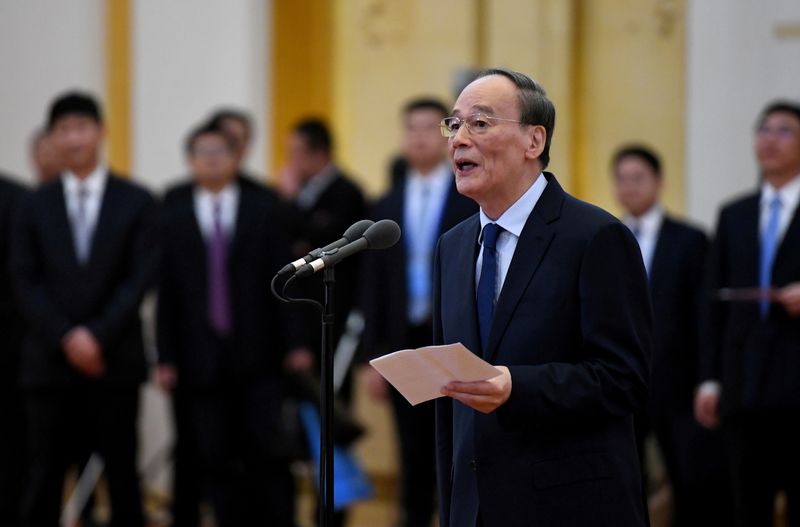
(789, 296)
(706, 406)
(166, 377)
(377, 387)
(289, 183)
(299, 359)
(83, 352)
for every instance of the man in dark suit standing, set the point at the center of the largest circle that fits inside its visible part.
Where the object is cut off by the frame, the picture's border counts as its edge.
(323, 203)
(83, 256)
(553, 291)
(674, 255)
(221, 336)
(752, 357)
(397, 290)
(12, 410)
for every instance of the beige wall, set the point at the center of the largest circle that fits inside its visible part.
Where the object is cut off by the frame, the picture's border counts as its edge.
(614, 68)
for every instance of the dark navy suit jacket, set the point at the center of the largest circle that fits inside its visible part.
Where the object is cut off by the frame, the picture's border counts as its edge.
(573, 323)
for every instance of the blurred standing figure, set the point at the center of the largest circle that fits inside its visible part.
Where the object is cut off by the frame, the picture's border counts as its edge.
(752, 359)
(674, 255)
(83, 257)
(12, 410)
(45, 157)
(324, 202)
(221, 336)
(397, 290)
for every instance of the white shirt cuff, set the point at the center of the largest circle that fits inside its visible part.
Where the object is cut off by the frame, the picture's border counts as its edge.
(710, 388)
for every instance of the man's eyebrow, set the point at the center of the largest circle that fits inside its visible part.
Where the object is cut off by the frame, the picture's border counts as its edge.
(483, 108)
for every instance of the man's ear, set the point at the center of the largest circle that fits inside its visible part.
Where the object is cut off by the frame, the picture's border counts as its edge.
(537, 137)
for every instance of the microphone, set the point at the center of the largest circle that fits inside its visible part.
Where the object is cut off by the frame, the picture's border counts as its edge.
(353, 233)
(381, 235)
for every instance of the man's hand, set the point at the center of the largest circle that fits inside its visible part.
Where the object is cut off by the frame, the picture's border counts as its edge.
(377, 386)
(484, 396)
(706, 404)
(83, 352)
(789, 296)
(299, 359)
(166, 377)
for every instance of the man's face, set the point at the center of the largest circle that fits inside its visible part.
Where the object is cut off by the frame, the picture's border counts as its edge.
(490, 165)
(423, 144)
(636, 185)
(306, 162)
(237, 129)
(212, 161)
(777, 144)
(77, 139)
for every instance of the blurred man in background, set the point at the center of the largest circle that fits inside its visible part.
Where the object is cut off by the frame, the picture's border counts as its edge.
(674, 255)
(83, 256)
(324, 202)
(752, 357)
(222, 336)
(397, 289)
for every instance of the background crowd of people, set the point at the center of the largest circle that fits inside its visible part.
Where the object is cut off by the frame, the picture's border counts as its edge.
(81, 251)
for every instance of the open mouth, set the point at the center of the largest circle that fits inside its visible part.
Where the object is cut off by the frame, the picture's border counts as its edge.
(465, 166)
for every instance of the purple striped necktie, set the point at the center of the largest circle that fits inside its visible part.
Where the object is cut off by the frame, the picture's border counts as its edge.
(219, 308)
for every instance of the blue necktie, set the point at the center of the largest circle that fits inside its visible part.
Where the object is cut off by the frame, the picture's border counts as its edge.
(769, 243)
(488, 282)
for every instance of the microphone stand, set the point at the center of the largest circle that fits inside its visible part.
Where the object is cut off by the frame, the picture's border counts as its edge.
(326, 402)
(326, 508)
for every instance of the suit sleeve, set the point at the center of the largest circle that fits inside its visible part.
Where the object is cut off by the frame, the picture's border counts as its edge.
(167, 307)
(43, 316)
(139, 276)
(697, 271)
(715, 313)
(444, 410)
(611, 377)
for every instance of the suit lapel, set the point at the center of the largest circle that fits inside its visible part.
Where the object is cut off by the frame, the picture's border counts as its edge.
(62, 226)
(463, 291)
(533, 242)
(787, 251)
(110, 202)
(663, 243)
(245, 215)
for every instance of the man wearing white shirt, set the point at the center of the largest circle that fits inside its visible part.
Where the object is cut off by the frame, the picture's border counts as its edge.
(552, 291)
(222, 337)
(83, 256)
(674, 255)
(751, 360)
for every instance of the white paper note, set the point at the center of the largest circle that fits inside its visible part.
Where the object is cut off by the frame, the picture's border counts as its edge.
(420, 374)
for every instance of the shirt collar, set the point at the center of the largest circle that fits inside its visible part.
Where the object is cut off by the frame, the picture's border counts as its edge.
(94, 183)
(514, 218)
(789, 194)
(438, 178)
(650, 221)
(228, 193)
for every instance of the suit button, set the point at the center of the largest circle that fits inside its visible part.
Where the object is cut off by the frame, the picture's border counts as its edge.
(473, 465)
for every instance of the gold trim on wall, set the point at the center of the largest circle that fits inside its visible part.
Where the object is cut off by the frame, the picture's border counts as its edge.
(302, 42)
(118, 83)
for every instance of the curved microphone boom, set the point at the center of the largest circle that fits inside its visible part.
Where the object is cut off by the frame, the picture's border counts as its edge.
(381, 235)
(353, 233)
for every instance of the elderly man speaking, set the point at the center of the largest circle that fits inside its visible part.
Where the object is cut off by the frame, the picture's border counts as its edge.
(553, 292)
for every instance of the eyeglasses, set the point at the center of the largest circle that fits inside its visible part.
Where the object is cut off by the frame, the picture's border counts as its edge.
(781, 132)
(476, 123)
